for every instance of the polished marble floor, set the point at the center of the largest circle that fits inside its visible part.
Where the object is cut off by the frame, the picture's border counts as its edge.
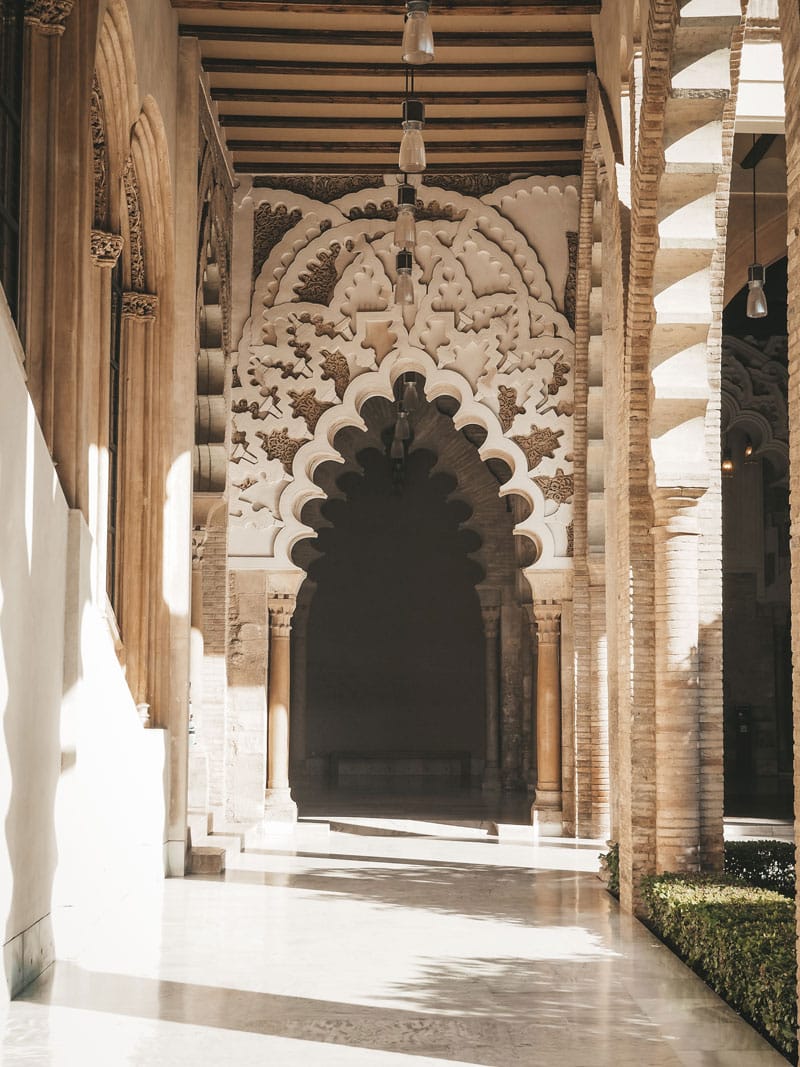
(398, 939)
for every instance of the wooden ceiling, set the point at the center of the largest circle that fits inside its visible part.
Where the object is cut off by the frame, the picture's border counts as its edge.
(317, 88)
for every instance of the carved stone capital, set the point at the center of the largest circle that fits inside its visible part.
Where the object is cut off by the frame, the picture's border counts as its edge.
(106, 248)
(139, 306)
(491, 619)
(548, 622)
(281, 610)
(199, 538)
(48, 16)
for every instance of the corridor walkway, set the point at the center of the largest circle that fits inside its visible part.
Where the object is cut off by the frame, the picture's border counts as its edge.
(384, 942)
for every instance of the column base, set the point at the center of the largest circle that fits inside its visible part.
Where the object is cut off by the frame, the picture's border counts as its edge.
(491, 780)
(279, 806)
(547, 815)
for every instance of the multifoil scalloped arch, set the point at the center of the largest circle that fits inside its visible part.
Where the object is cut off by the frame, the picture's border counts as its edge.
(324, 335)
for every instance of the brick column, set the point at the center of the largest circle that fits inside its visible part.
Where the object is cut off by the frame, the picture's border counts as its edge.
(677, 628)
(279, 805)
(491, 627)
(547, 810)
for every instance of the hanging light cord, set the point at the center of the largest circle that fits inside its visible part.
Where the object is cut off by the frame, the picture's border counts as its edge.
(755, 253)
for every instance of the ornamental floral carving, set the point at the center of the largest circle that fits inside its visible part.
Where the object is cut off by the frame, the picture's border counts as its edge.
(106, 248)
(139, 305)
(99, 154)
(539, 444)
(48, 16)
(130, 183)
(490, 278)
(560, 487)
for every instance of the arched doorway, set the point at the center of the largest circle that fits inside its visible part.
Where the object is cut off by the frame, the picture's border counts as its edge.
(394, 646)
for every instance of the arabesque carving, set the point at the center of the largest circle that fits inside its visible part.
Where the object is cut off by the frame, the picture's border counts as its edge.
(325, 333)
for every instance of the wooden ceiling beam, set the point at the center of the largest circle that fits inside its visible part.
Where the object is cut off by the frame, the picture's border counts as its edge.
(369, 69)
(364, 148)
(382, 122)
(346, 97)
(530, 166)
(384, 38)
(371, 7)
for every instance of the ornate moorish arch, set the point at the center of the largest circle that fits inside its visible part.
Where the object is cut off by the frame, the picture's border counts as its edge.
(324, 335)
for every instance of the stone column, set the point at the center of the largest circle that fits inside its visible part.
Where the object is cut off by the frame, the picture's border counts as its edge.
(528, 706)
(677, 627)
(510, 692)
(491, 627)
(298, 748)
(279, 806)
(547, 810)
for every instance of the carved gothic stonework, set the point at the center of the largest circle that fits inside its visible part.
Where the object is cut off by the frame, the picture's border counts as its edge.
(130, 182)
(99, 155)
(324, 333)
(48, 16)
(139, 306)
(106, 248)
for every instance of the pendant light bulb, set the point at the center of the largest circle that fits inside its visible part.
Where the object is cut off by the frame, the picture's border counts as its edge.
(756, 297)
(417, 34)
(412, 147)
(728, 466)
(404, 289)
(410, 394)
(405, 229)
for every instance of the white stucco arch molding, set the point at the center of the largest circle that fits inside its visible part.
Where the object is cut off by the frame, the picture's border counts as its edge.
(471, 412)
(324, 334)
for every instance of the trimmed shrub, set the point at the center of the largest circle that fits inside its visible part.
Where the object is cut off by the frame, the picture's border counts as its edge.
(768, 864)
(740, 939)
(609, 867)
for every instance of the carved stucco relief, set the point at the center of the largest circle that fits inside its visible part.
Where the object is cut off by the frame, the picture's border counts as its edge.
(324, 333)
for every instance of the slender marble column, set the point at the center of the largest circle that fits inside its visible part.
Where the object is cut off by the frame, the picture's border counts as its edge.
(547, 811)
(491, 625)
(279, 805)
(299, 688)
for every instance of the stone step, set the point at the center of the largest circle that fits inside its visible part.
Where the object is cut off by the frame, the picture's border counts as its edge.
(205, 859)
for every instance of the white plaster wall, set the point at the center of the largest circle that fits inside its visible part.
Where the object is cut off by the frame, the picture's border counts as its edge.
(81, 782)
(33, 537)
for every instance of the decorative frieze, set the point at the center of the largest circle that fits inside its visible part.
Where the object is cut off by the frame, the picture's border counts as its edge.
(106, 248)
(139, 306)
(135, 234)
(48, 16)
(99, 154)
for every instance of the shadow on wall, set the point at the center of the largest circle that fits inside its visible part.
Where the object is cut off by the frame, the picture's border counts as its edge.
(33, 539)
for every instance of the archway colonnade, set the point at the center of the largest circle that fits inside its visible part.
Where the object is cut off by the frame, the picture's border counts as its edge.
(577, 323)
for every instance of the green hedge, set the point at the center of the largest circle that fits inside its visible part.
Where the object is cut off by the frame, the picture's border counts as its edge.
(740, 939)
(767, 864)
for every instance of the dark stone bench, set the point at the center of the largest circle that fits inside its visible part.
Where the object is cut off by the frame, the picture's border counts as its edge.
(448, 765)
